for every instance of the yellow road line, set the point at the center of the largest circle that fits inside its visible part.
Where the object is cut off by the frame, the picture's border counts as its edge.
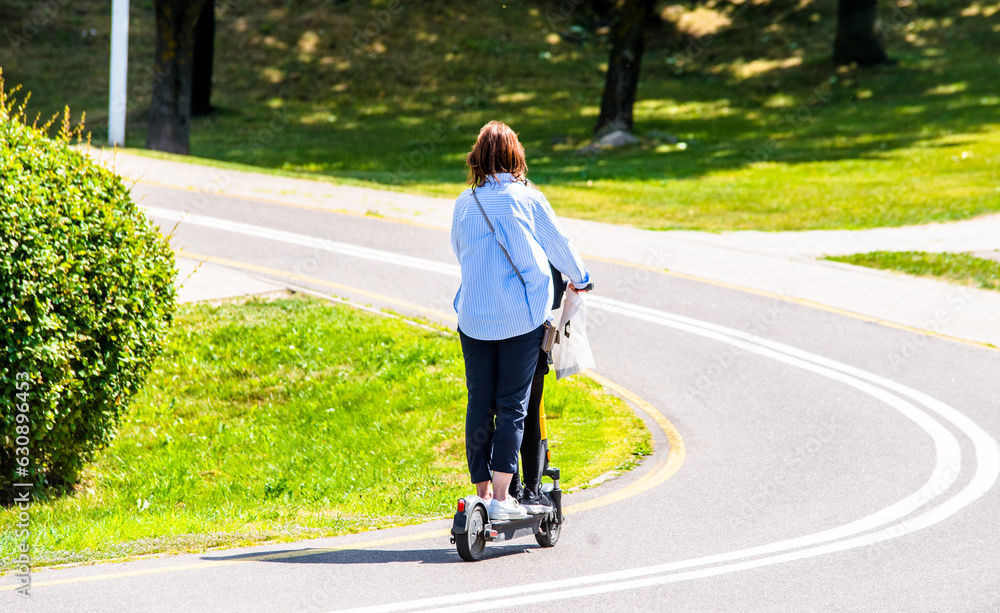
(296, 205)
(431, 313)
(450, 317)
(257, 558)
(675, 457)
(660, 473)
(733, 286)
(800, 301)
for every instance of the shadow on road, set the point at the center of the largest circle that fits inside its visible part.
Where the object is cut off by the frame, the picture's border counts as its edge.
(368, 556)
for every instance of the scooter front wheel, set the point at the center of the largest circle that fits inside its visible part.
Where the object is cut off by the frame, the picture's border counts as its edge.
(550, 536)
(472, 545)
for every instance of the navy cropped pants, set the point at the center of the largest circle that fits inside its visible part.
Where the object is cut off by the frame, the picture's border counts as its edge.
(498, 376)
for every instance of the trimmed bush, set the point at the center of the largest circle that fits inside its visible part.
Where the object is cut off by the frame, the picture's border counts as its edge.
(86, 297)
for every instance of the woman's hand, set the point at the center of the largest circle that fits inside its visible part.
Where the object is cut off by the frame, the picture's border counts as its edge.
(573, 288)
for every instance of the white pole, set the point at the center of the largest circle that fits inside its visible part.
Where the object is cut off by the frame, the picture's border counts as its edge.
(117, 98)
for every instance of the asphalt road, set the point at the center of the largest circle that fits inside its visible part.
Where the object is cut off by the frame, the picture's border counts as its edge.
(832, 464)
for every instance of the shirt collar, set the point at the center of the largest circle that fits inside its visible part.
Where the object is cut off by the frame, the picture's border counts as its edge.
(502, 177)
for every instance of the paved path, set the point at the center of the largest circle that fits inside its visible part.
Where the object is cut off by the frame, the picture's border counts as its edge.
(775, 262)
(832, 463)
(198, 280)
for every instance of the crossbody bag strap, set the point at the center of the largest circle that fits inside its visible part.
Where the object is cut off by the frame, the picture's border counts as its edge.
(551, 334)
(493, 232)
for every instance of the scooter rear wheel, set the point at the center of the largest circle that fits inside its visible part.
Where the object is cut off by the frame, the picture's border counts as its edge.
(472, 545)
(550, 537)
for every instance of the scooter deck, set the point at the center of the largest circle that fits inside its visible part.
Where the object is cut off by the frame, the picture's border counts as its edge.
(472, 528)
(501, 530)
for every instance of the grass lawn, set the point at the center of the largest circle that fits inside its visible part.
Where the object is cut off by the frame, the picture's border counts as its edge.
(962, 268)
(770, 134)
(290, 419)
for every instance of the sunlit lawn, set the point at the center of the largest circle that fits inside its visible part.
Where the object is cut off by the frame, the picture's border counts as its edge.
(963, 268)
(277, 421)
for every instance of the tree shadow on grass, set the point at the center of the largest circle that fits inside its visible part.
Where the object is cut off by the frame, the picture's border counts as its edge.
(836, 128)
(418, 132)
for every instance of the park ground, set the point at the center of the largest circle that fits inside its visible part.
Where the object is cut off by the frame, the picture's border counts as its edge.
(750, 128)
(753, 474)
(744, 121)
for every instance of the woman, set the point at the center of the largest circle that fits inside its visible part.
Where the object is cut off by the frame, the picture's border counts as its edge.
(504, 233)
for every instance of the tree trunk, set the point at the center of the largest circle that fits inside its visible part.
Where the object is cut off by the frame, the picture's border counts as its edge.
(858, 36)
(204, 52)
(623, 66)
(170, 107)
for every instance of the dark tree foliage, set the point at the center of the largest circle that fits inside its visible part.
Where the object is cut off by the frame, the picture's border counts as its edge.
(602, 8)
(170, 107)
(629, 43)
(204, 52)
(858, 37)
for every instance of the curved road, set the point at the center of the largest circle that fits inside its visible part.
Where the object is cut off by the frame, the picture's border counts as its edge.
(823, 471)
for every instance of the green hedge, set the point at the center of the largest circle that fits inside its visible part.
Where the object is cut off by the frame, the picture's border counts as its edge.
(86, 297)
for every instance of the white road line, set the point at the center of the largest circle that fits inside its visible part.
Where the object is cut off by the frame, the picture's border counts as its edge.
(946, 470)
(305, 241)
(986, 475)
(987, 471)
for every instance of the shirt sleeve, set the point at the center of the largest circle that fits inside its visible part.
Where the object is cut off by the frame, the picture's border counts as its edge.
(456, 218)
(456, 228)
(557, 246)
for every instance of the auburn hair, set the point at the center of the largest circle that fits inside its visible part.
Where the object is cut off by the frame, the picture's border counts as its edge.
(497, 150)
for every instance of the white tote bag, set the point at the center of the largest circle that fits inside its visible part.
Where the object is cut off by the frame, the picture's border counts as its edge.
(573, 353)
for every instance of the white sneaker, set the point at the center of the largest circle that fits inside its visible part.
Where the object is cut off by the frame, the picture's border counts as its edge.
(508, 509)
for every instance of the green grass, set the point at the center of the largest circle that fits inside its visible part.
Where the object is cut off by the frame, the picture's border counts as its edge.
(963, 268)
(291, 419)
(776, 137)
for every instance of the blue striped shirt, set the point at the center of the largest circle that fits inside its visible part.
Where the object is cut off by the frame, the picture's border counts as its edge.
(492, 303)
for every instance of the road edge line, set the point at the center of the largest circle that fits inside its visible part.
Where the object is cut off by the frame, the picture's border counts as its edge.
(658, 474)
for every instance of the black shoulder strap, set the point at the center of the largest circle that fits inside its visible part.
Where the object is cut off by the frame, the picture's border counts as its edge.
(493, 232)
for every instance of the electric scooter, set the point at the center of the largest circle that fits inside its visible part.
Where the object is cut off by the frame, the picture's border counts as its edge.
(472, 527)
